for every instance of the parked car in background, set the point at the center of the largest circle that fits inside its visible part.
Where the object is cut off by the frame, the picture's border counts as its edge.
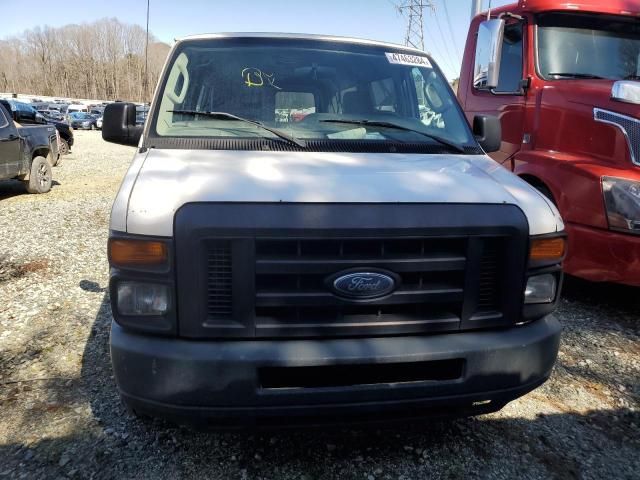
(54, 114)
(26, 152)
(82, 120)
(140, 118)
(77, 107)
(65, 132)
(357, 264)
(99, 123)
(563, 78)
(25, 114)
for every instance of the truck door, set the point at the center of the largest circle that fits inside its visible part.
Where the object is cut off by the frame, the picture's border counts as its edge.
(10, 160)
(507, 101)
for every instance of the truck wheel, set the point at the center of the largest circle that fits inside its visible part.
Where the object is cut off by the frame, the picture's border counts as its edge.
(64, 147)
(40, 177)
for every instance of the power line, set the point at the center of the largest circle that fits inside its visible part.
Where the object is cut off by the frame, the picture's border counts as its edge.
(453, 39)
(445, 58)
(442, 38)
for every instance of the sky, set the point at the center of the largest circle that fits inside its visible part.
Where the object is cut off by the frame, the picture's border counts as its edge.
(445, 29)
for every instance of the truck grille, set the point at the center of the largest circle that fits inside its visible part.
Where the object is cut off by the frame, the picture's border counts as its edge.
(292, 297)
(291, 289)
(630, 128)
(256, 276)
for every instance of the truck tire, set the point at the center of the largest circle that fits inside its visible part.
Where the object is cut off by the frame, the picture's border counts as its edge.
(64, 147)
(40, 177)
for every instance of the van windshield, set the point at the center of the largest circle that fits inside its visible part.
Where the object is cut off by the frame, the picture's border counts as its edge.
(307, 90)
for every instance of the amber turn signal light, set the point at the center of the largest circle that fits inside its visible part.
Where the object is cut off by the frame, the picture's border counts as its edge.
(133, 253)
(544, 249)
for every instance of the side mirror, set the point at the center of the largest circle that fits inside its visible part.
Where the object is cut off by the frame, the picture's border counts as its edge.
(488, 132)
(119, 124)
(486, 71)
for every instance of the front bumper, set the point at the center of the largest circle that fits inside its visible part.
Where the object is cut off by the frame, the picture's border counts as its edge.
(217, 383)
(603, 255)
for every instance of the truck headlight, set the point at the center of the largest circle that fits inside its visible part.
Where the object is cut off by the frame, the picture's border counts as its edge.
(142, 299)
(541, 289)
(622, 202)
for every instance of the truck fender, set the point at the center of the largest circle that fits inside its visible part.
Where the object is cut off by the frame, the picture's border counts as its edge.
(535, 173)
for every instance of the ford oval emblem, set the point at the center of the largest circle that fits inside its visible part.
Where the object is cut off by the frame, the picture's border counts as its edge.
(363, 285)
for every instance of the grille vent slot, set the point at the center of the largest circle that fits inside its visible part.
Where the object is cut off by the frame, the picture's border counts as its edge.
(489, 291)
(219, 280)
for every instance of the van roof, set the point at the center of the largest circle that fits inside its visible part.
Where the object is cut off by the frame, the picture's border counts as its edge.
(300, 36)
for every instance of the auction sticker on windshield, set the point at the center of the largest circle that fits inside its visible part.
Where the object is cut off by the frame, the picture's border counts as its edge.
(404, 59)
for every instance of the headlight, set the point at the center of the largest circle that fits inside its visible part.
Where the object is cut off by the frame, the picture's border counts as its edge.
(142, 299)
(541, 289)
(622, 201)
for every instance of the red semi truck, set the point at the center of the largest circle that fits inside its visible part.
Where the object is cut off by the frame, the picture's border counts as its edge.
(564, 79)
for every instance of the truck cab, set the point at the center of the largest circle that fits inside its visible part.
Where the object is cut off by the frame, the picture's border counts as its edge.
(310, 231)
(563, 79)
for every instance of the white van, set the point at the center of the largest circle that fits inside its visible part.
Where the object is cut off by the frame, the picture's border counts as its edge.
(75, 107)
(292, 243)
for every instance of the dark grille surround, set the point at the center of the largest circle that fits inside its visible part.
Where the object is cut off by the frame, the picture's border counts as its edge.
(272, 282)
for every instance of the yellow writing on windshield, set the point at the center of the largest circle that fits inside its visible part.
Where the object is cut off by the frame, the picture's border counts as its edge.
(254, 77)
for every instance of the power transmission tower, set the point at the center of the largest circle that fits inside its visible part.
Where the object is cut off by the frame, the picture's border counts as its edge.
(414, 9)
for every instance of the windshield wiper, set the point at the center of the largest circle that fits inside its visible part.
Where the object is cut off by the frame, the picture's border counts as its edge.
(373, 123)
(632, 77)
(230, 116)
(577, 75)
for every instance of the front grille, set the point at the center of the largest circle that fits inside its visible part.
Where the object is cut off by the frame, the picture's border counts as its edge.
(629, 126)
(267, 270)
(219, 281)
(291, 292)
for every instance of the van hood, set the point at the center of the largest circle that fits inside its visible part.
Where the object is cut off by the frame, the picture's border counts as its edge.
(157, 186)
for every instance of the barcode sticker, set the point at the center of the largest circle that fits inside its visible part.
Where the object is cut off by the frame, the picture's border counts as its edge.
(405, 59)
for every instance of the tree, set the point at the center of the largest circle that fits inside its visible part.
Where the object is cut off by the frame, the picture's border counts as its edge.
(100, 60)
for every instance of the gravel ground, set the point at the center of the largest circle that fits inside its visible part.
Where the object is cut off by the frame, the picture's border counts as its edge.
(60, 416)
